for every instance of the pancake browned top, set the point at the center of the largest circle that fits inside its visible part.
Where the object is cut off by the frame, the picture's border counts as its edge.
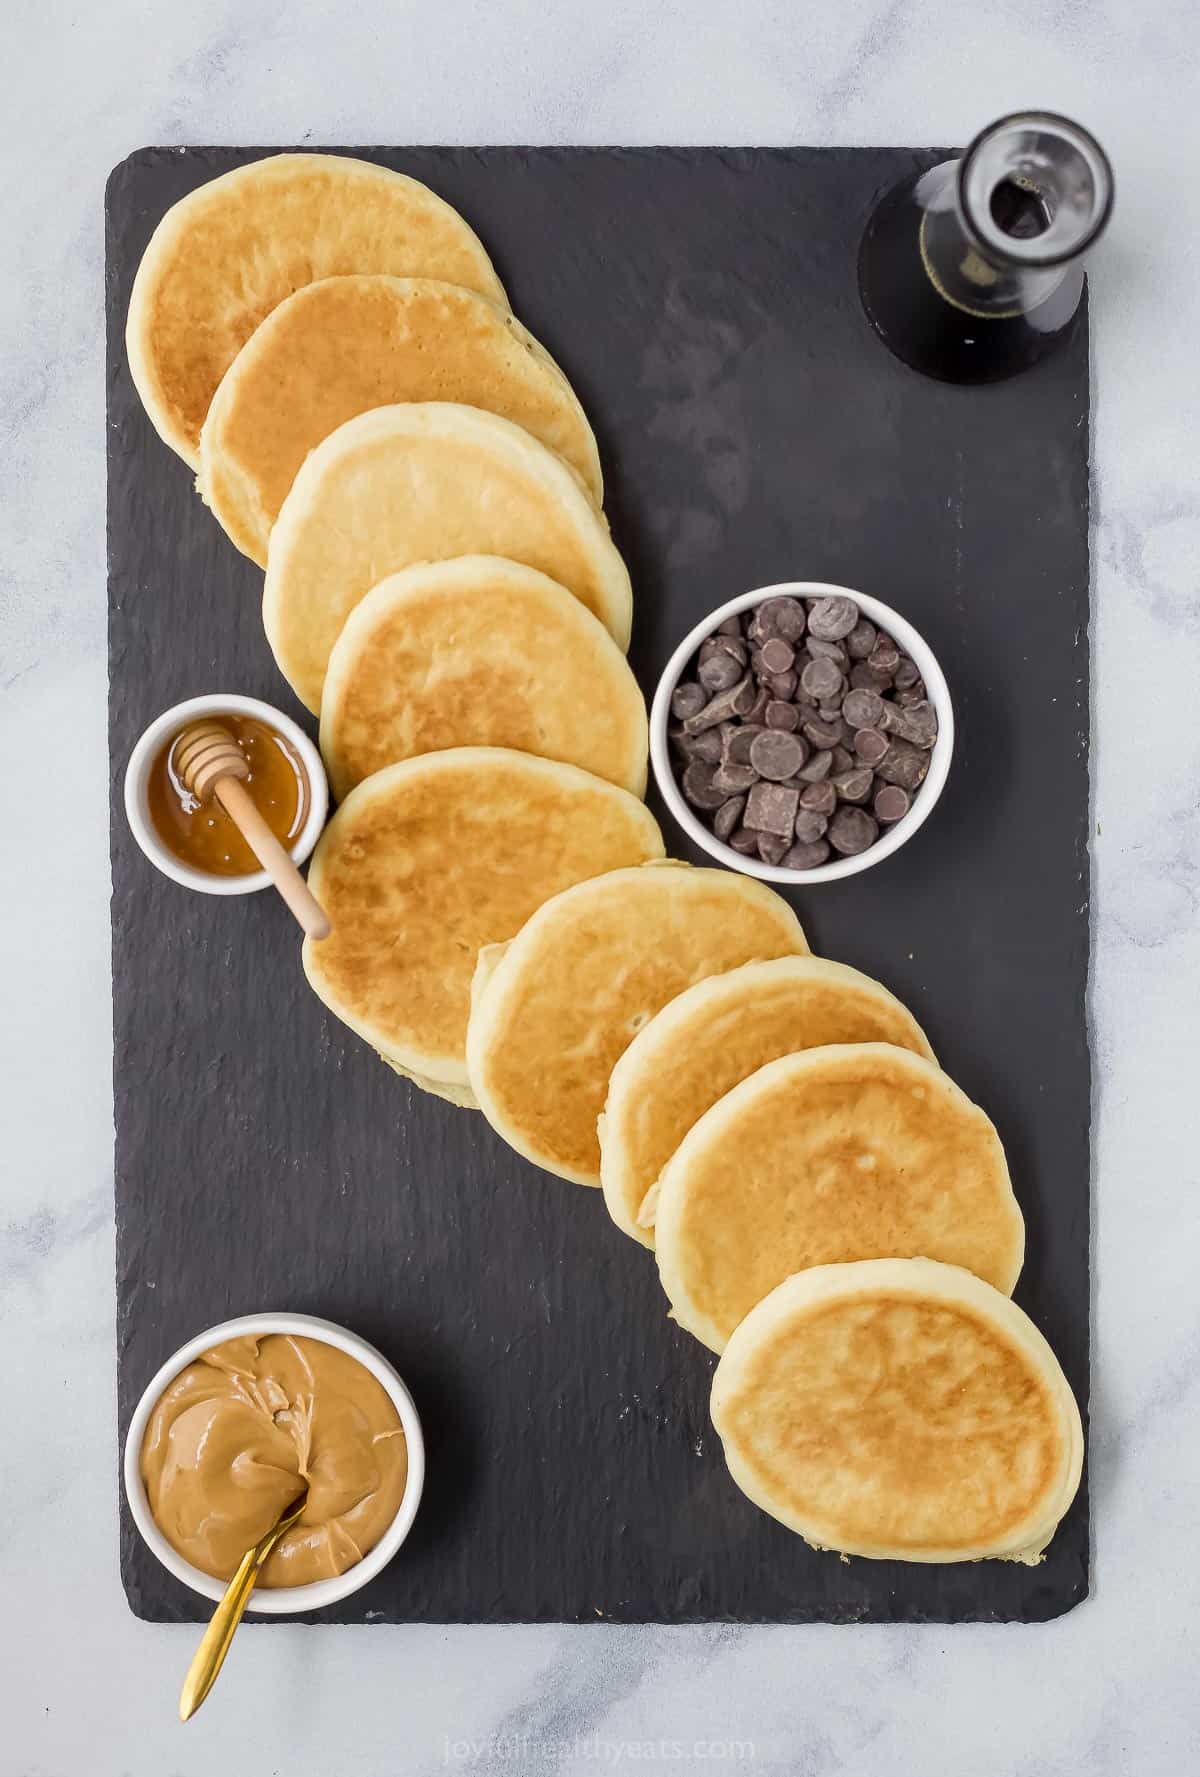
(429, 860)
(713, 1036)
(478, 651)
(224, 256)
(856, 1151)
(901, 1409)
(343, 345)
(553, 1011)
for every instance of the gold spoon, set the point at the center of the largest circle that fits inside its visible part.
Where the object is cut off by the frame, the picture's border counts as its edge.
(214, 1644)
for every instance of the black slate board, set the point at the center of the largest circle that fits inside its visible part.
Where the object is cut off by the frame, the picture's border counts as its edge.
(703, 302)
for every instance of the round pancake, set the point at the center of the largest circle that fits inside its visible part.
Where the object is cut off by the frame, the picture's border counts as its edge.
(552, 1011)
(713, 1036)
(478, 651)
(902, 1410)
(224, 256)
(344, 345)
(853, 1151)
(425, 481)
(431, 859)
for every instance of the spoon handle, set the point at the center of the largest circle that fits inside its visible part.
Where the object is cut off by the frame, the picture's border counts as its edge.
(214, 1643)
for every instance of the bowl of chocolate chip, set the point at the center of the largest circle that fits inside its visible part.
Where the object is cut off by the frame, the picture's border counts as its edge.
(802, 732)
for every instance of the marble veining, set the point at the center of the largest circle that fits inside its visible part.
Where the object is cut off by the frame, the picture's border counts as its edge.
(1111, 1688)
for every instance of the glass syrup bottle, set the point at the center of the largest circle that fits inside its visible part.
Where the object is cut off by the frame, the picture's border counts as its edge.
(972, 271)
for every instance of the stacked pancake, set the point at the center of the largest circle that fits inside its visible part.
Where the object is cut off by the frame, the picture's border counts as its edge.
(327, 345)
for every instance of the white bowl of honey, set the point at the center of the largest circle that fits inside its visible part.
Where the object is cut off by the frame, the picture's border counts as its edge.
(197, 844)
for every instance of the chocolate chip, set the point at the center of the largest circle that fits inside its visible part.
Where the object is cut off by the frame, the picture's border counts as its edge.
(821, 679)
(776, 755)
(831, 713)
(819, 798)
(719, 709)
(719, 671)
(732, 626)
(744, 841)
(785, 617)
(903, 764)
(818, 768)
(862, 678)
(843, 760)
(884, 658)
(809, 826)
(829, 619)
(783, 715)
(738, 741)
(851, 831)
(870, 745)
(861, 639)
(818, 650)
(916, 722)
(863, 709)
(906, 673)
(821, 734)
(771, 848)
(782, 685)
(730, 780)
(771, 808)
(719, 644)
(854, 785)
(706, 746)
(915, 694)
(745, 699)
(891, 804)
(727, 817)
(758, 709)
(687, 699)
(778, 656)
(698, 788)
(806, 856)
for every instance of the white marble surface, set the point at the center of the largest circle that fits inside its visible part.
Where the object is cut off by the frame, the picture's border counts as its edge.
(83, 1687)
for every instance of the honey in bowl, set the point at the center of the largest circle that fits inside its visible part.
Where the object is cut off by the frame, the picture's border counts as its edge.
(202, 835)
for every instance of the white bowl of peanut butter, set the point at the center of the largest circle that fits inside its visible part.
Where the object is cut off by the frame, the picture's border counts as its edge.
(236, 1422)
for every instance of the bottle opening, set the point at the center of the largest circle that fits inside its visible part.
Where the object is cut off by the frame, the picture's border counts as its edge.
(1034, 190)
(1019, 210)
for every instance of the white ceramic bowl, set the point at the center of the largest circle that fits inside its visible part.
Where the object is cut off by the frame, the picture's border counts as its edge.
(279, 1601)
(893, 838)
(137, 778)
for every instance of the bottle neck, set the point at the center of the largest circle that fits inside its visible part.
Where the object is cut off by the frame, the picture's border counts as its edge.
(976, 280)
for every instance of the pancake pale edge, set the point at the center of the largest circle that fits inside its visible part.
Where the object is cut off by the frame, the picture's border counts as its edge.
(344, 345)
(226, 254)
(431, 859)
(478, 651)
(713, 1036)
(852, 1151)
(583, 975)
(900, 1409)
(426, 481)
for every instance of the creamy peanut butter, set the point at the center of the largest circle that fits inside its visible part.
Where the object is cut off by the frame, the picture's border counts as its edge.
(237, 1433)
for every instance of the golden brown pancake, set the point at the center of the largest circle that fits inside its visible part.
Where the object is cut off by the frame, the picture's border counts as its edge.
(344, 345)
(854, 1151)
(479, 651)
(552, 1011)
(713, 1036)
(426, 481)
(224, 256)
(430, 860)
(900, 1409)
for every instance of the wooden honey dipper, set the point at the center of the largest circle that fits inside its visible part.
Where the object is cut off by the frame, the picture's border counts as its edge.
(210, 763)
